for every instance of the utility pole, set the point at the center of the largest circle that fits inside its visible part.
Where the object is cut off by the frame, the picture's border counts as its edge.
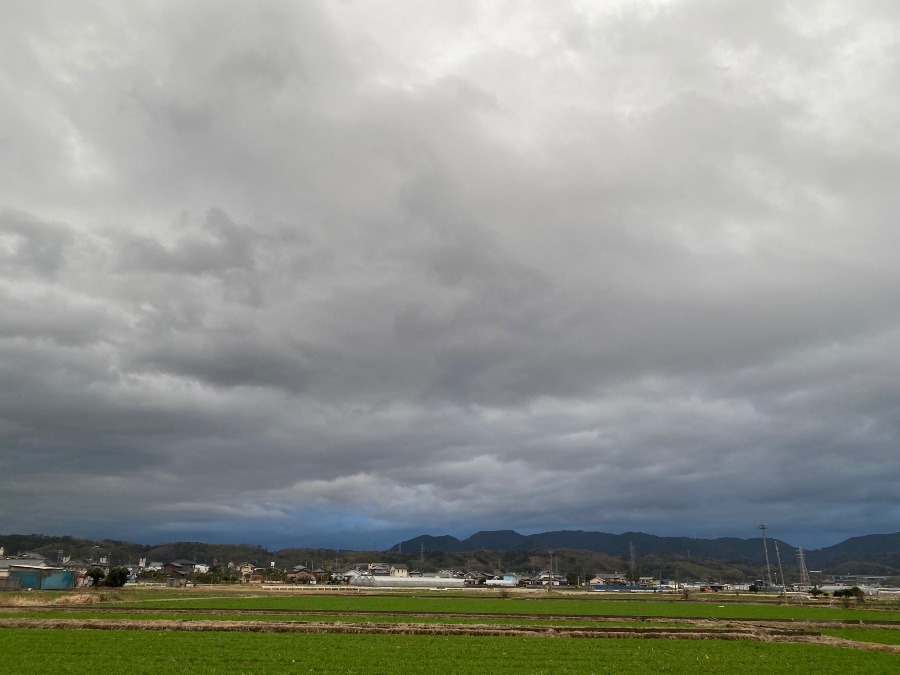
(632, 563)
(550, 573)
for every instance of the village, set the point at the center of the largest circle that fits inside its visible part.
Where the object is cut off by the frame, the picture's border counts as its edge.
(30, 570)
(37, 571)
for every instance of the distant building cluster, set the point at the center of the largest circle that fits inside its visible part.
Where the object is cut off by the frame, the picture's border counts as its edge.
(36, 571)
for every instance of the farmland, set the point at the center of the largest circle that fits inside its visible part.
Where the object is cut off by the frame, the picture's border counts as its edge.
(215, 631)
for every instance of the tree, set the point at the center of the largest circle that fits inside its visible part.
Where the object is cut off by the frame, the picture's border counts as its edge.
(633, 576)
(117, 577)
(96, 574)
(850, 593)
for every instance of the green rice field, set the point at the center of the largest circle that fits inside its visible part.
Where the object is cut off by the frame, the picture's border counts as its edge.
(80, 651)
(179, 631)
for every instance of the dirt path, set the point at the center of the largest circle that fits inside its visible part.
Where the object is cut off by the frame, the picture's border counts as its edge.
(112, 609)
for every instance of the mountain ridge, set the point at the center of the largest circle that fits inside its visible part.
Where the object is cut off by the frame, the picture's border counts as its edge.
(877, 554)
(884, 548)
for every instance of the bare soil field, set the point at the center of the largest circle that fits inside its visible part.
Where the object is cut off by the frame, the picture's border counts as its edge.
(693, 630)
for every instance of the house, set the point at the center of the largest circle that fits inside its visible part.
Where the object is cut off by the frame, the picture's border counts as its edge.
(23, 560)
(610, 582)
(475, 578)
(611, 579)
(178, 569)
(27, 558)
(79, 565)
(249, 573)
(399, 571)
(507, 580)
(302, 576)
(339, 574)
(342, 575)
(547, 578)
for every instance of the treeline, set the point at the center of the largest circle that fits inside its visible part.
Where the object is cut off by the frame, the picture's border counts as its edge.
(566, 561)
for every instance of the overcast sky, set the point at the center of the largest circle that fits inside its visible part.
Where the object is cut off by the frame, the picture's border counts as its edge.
(339, 273)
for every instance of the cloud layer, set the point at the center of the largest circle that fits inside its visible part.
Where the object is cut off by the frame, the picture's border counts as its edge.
(339, 272)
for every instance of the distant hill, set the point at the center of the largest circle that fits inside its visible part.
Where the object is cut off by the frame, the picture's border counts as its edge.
(727, 548)
(123, 552)
(879, 548)
(870, 544)
(877, 554)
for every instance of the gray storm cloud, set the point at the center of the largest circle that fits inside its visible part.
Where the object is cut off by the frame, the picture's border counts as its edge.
(339, 271)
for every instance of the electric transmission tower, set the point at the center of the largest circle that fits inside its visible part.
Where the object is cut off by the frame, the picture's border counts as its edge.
(763, 527)
(801, 561)
(780, 571)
